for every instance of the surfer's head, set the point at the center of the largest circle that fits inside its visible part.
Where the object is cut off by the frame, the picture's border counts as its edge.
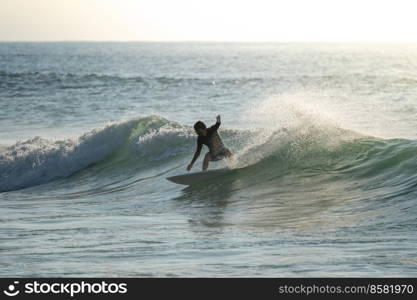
(200, 128)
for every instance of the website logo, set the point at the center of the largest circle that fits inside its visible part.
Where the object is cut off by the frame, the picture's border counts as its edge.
(11, 289)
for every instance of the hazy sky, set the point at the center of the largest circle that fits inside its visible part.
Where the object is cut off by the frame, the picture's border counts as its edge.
(208, 20)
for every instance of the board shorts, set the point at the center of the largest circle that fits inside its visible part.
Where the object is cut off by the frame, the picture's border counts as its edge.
(218, 155)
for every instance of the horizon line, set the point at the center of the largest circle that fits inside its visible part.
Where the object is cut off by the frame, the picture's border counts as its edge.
(212, 41)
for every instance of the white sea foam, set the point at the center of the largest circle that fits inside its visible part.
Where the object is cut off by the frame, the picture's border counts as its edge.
(38, 160)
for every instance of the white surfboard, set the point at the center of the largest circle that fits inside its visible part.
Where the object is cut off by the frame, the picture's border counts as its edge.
(197, 177)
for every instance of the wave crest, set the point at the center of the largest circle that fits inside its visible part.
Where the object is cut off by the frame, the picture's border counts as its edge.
(38, 160)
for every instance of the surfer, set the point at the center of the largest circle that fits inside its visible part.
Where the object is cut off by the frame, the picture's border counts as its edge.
(210, 138)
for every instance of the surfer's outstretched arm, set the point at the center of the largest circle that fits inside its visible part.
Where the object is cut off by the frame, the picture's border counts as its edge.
(196, 155)
(215, 126)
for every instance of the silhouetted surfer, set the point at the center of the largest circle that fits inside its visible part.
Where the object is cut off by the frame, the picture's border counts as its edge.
(210, 138)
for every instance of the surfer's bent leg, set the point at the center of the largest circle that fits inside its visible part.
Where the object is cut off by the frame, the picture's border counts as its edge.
(206, 161)
(227, 153)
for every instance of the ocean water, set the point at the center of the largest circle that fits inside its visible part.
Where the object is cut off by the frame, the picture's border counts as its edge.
(322, 182)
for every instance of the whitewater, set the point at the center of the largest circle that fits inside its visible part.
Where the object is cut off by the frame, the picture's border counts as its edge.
(322, 181)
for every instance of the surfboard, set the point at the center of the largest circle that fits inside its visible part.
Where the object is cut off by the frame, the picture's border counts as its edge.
(197, 177)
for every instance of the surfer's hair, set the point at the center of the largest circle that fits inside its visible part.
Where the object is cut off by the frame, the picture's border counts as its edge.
(199, 125)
